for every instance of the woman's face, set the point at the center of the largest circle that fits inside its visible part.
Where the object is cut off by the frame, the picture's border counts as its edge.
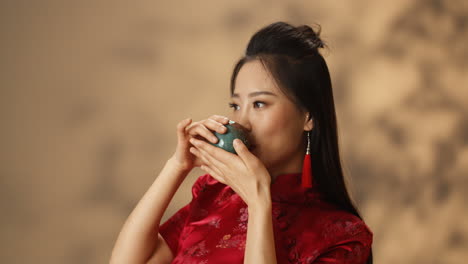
(275, 123)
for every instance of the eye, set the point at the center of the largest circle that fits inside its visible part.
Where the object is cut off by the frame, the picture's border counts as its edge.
(259, 104)
(235, 107)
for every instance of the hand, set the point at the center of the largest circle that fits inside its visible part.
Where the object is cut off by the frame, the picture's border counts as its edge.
(201, 130)
(244, 172)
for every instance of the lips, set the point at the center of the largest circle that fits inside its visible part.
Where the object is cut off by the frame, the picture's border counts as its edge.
(252, 145)
(251, 142)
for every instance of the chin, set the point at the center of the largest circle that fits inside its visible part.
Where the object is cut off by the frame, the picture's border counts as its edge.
(253, 149)
(256, 152)
(260, 156)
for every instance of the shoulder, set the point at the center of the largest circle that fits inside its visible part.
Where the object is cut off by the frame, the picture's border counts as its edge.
(333, 226)
(328, 233)
(343, 226)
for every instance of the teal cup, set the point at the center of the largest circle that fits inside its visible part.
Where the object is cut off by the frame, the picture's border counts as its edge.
(234, 130)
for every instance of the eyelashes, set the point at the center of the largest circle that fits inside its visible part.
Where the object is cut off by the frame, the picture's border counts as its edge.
(256, 104)
(235, 107)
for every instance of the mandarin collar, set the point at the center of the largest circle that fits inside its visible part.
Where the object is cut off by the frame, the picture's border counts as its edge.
(287, 188)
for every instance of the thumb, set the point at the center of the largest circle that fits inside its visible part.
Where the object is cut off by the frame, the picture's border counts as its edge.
(242, 150)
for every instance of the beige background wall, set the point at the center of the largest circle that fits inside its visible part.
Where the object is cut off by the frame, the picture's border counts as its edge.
(91, 92)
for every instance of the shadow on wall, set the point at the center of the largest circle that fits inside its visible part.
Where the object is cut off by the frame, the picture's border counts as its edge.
(410, 154)
(98, 119)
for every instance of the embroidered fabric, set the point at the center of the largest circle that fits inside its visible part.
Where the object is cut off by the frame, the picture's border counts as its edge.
(212, 228)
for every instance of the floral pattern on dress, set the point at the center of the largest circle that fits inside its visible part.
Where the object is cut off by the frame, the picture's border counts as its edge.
(197, 250)
(232, 241)
(224, 197)
(277, 212)
(306, 232)
(341, 226)
(244, 215)
(242, 221)
(215, 222)
(238, 238)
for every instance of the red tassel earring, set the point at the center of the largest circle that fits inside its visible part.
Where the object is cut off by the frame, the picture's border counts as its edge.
(307, 166)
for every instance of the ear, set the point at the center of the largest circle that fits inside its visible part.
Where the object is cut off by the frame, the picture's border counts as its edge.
(308, 123)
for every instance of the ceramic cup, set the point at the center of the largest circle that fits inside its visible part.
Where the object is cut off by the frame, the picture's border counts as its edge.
(234, 130)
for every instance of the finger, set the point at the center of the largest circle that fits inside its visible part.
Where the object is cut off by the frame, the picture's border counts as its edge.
(210, 171)
(181, 129)
(221, 119)
(205, 160)
(247, 157)
(222, 157)
(201, 130)
(197, 154)
(215, 125)
(213, 160)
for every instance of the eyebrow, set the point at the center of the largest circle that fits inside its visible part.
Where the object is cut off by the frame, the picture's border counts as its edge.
(255, 94)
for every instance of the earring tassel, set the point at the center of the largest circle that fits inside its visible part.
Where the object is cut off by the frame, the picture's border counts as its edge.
(307, 172)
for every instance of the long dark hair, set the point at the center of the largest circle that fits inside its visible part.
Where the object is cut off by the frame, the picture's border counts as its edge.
(291, 55)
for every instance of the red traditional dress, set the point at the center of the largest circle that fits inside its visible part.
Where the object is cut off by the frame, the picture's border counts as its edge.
(212, 228)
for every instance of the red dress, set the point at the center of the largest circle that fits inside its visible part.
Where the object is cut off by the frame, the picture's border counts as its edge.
(212, 228)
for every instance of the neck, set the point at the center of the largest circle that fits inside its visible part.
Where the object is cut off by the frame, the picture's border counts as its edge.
(292, 165)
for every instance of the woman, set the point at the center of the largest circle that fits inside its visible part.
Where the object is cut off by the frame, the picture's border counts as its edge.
(266, 204)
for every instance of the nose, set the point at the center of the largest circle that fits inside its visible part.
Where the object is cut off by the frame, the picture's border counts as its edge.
(244, 121)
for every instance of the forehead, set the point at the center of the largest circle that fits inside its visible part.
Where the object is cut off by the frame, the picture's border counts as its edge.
(254, 77)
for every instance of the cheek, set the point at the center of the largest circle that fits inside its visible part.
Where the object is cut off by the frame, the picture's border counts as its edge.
(271, 126)
(279, 132)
